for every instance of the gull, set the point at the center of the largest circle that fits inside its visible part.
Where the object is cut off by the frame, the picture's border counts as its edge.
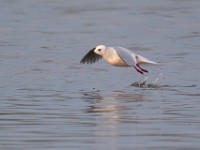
(117, 56)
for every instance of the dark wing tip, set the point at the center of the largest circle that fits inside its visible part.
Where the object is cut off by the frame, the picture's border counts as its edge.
(90, 57)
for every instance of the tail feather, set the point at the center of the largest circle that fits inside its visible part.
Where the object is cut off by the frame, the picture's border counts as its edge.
(142, 60)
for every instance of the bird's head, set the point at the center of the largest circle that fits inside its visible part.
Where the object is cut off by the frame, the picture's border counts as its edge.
(100, 50)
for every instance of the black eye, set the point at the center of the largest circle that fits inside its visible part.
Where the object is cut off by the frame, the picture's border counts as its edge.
(99, 50)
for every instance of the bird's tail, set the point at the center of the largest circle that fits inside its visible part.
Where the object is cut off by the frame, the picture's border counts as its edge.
(142, 60)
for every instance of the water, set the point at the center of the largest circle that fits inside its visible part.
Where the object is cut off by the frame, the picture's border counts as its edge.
(51, 101)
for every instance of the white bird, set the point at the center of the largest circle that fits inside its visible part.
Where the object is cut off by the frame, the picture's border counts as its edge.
(117, 56)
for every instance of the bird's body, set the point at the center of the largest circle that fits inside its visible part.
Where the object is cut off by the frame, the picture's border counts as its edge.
(117, 56)
(113, 58)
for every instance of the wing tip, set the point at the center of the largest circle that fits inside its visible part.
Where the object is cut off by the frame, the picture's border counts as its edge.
(90, 57)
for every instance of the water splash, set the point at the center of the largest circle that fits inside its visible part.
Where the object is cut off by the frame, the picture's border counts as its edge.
(154, 84)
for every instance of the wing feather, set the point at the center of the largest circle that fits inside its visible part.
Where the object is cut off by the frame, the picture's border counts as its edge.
(126, 55)
(91, 57)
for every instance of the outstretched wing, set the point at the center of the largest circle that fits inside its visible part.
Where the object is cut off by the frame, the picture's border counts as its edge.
(126, 55)
(90, 57)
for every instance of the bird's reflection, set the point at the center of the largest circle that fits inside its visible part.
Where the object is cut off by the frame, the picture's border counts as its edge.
(109, 111)
(110, 103)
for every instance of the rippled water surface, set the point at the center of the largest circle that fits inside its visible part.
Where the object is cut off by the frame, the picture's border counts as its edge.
(48, 100)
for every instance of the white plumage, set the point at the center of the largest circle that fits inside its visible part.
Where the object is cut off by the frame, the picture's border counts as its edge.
(117, 56)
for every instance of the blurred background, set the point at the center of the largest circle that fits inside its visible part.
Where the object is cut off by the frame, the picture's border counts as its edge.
(48, 100)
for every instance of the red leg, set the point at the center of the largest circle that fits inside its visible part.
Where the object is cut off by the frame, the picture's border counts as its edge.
(142, 69)
(138, 70)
